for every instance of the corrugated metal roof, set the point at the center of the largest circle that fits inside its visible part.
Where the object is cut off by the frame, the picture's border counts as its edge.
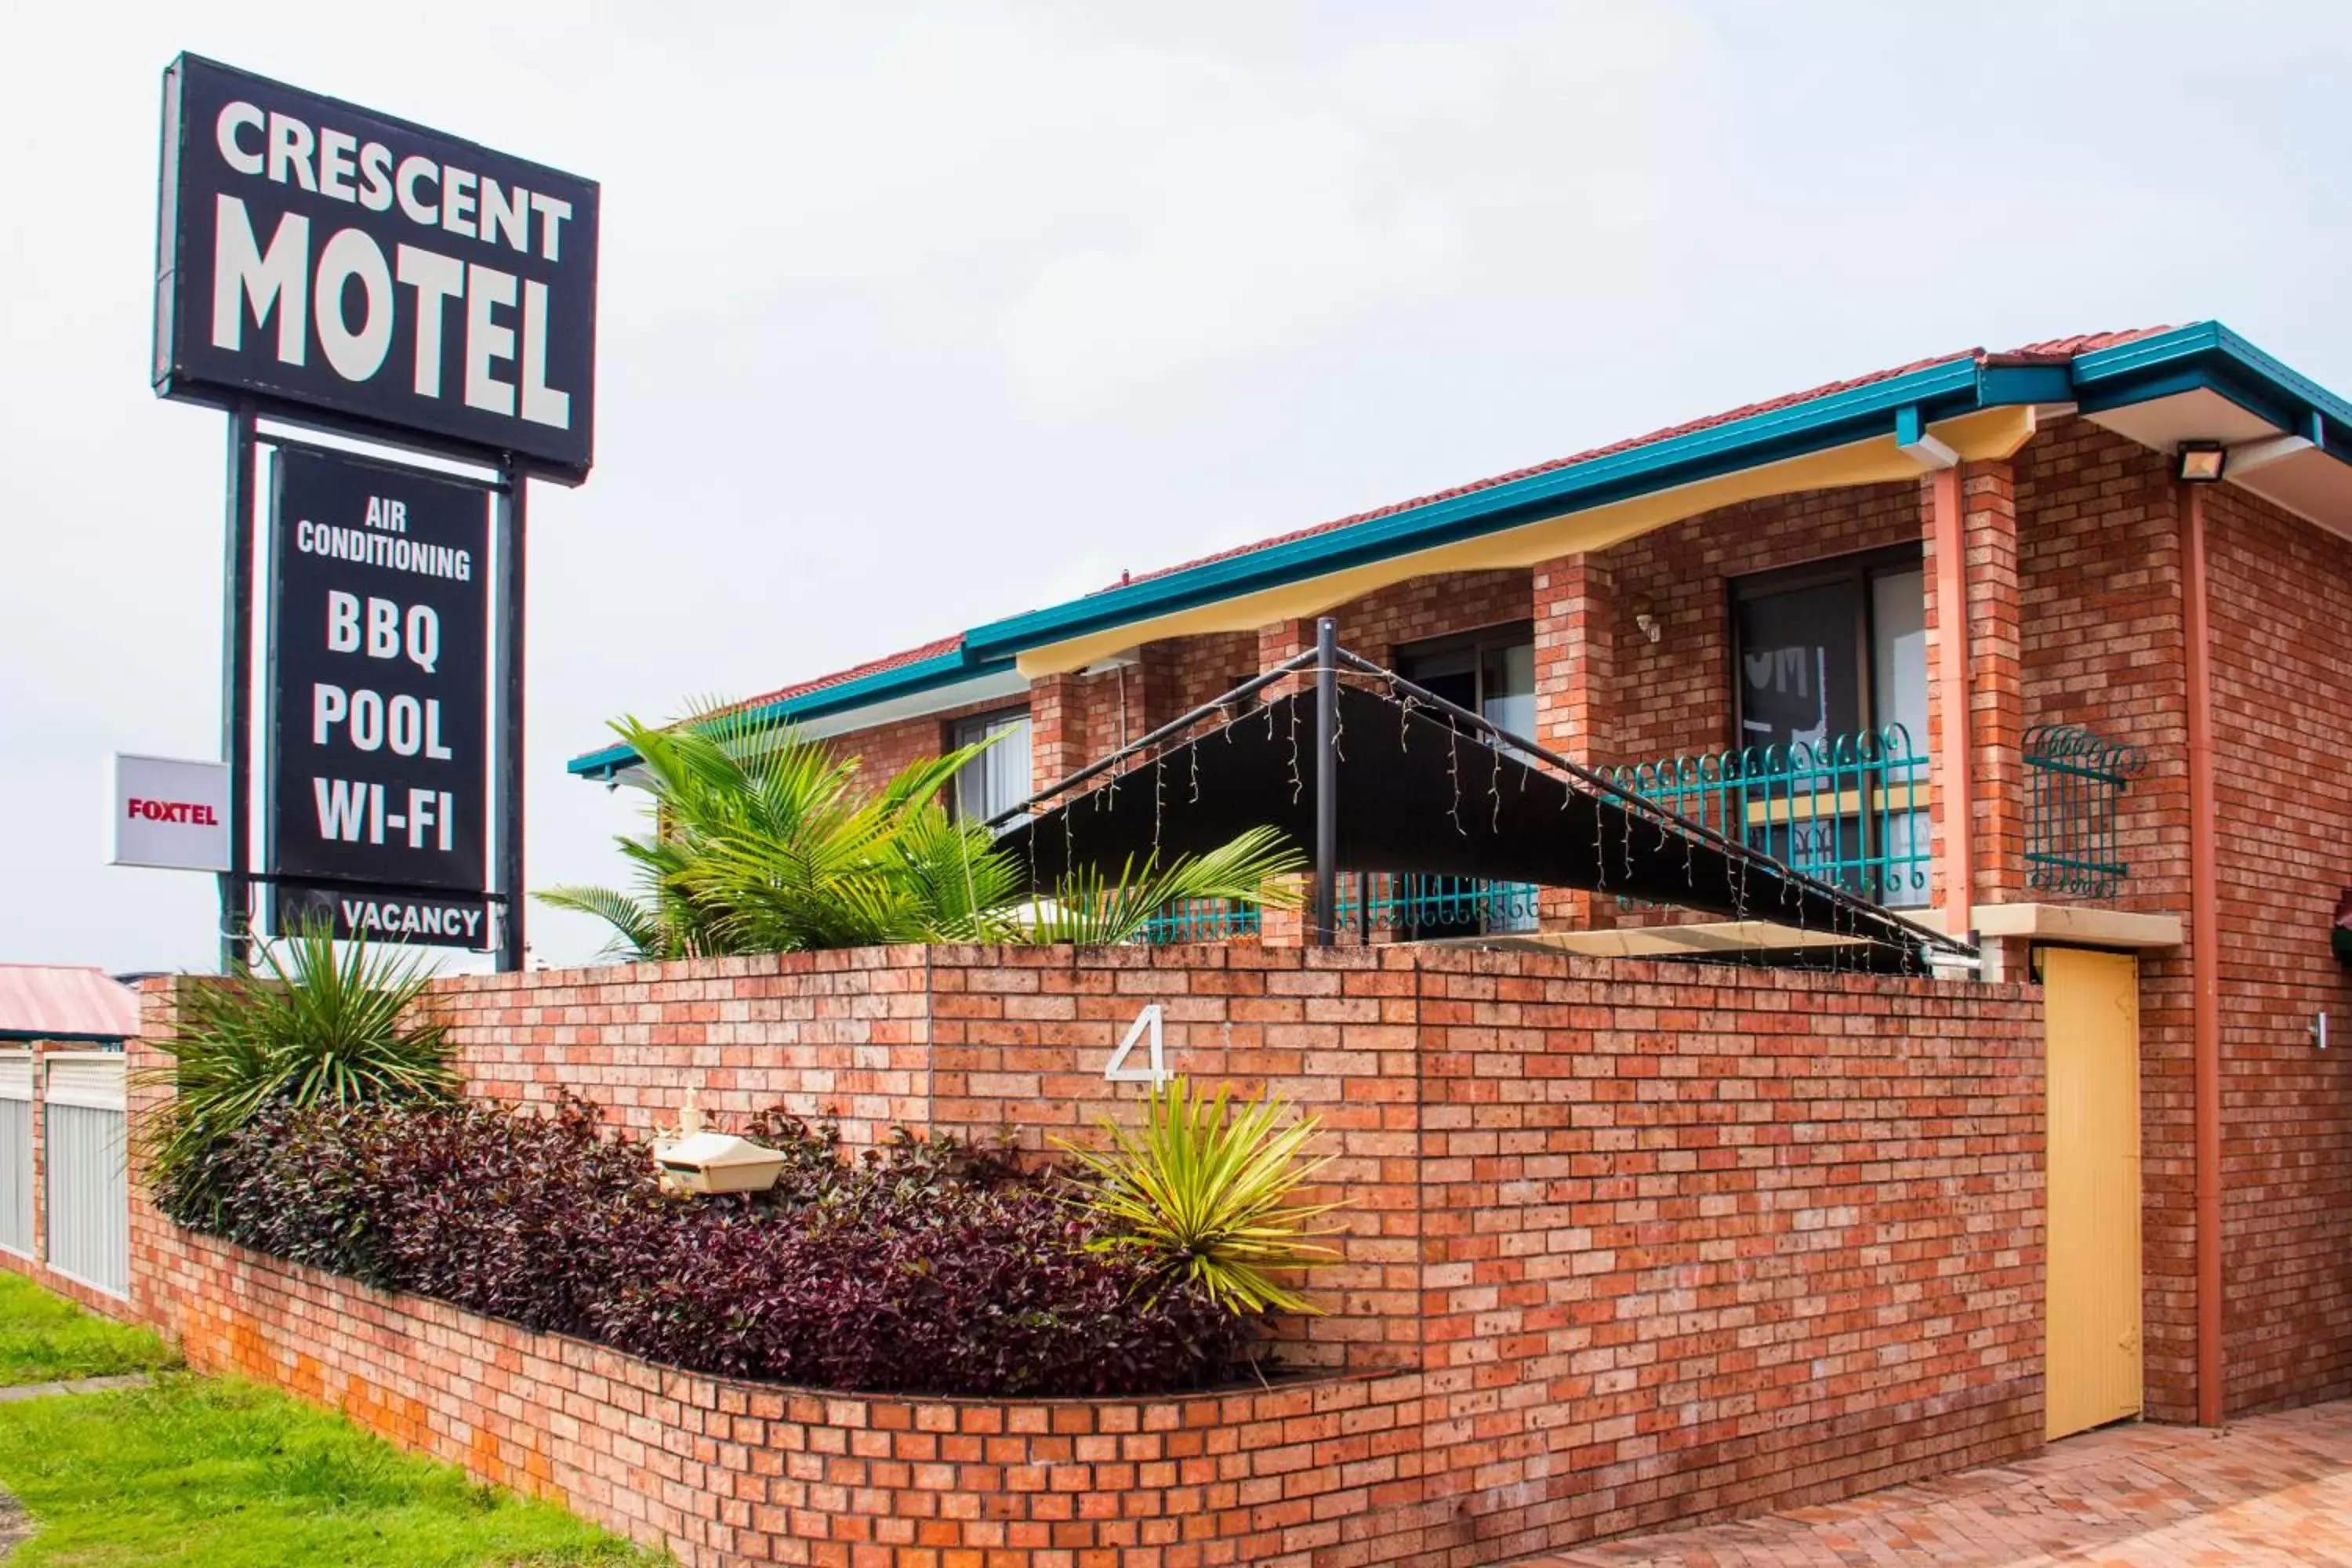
(45, 1000)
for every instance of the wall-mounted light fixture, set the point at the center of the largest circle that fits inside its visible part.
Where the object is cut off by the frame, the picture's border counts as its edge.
(2201, 462)
(1645, 617)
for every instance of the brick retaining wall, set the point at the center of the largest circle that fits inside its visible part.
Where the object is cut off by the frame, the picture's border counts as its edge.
(1630, 1244)
(726, 1472)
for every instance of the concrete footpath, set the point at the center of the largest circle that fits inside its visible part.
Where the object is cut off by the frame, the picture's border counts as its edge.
(2273, 1489)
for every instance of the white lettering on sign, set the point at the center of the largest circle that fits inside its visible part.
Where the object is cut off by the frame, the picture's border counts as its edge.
(379, 550)
(400, 917)
(1147, 1029)
(410, 725)
(277, 282)
(388, 632)
(352, 811)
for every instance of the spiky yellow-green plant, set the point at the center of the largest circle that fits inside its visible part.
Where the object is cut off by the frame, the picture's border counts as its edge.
(329, 1023)
(1208, 1190)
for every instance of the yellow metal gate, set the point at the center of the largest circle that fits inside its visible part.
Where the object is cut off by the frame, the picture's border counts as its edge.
(2091, 1362)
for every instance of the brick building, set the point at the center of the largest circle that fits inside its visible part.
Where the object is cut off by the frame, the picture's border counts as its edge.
(2046, 648)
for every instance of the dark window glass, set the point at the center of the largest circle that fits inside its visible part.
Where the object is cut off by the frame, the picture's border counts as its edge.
(1801, 668)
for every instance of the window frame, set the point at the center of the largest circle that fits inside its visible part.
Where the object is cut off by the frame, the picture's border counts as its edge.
(1861, 568)
(1477, 642)
(977, 725)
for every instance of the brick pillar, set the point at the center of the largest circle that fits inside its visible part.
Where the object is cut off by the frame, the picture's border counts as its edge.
(1575, 602)
(1943, 543)
(1996, 681)
(1056, 728)
(1281, 640)
(1277, 642)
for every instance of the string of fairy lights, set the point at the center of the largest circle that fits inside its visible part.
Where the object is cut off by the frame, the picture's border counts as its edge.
(1849, 946)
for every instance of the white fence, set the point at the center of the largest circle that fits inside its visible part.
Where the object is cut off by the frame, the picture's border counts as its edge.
(86, 1141)
(17, 1153)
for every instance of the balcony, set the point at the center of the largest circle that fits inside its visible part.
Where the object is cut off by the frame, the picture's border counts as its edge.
(1850, 809)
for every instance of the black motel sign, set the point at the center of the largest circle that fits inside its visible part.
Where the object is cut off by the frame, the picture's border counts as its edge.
(329, 260)
(378, 787)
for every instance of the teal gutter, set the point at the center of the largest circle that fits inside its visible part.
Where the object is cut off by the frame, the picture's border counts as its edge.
(1836, 419)
(905, 680)
(2207, 355)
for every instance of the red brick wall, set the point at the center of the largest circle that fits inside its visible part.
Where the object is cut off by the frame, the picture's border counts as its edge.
(2102, 646)
(1630, 1243)
(725, 1472)
(1674, 696)
(2280, 593)
(1443, 605)
(884, 749)
(1705, 1242)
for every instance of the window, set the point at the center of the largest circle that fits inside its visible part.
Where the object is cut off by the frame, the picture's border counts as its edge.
(1493, 674)
(998, 780)
(1833, 650)
(1830, 668)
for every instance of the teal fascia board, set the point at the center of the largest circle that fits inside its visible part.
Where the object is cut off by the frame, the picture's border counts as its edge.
(907, 680)
(2204, 355)
(1939, 390)
(2209, 356)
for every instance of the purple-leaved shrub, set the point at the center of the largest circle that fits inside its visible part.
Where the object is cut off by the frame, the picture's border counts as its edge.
(926, 1267)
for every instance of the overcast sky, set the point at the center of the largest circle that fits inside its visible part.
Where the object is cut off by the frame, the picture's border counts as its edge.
(914, 316)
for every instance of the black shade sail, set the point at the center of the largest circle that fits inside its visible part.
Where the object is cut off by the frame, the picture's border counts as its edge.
(1418, 792)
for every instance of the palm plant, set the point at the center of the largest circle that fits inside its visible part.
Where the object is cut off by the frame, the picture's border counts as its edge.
(1087, 907)
(319, 1026)
(763, 842)
(1208, 1194)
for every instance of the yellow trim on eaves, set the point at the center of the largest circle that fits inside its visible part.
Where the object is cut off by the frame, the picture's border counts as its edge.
(1992, 433)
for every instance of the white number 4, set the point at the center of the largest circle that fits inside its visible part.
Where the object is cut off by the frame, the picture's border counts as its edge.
(1146, 1023)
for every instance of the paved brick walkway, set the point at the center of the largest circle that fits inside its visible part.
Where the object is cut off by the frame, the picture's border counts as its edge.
(2276, 1490)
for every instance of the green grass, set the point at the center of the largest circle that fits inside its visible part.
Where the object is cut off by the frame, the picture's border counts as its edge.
(47, 1339)
(215, 1473)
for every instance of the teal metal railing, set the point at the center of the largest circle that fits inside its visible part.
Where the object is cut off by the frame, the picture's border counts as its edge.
(1851, 809)
(1411, 904)
(1399, 904)
(2075, 783)
(1203, 920)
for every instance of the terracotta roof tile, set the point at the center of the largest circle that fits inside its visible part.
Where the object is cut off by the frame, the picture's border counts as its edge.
(2056, 350)
(854, 672)
(2052, 352)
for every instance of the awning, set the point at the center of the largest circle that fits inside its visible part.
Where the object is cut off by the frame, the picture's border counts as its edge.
(1416, 794)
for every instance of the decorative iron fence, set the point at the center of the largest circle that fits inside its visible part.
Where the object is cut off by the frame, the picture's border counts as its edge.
(1851, 809)
(2074, 781)
(1202, 919)
(1413, 905)
(1408, 905)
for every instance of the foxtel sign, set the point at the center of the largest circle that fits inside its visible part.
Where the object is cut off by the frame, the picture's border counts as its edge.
(325, 261)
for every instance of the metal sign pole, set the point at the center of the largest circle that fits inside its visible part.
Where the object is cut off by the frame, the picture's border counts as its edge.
(236, 693)
(1327, 780)
(512, 512)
